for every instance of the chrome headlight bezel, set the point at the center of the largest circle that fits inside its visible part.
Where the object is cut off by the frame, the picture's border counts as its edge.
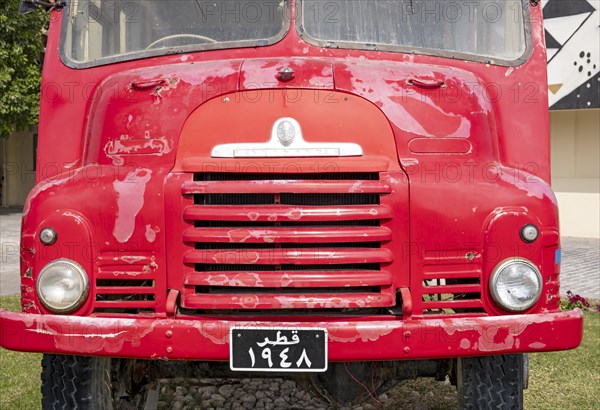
(495, 276)
(84, 284)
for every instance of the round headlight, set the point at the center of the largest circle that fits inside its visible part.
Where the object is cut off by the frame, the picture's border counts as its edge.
(62, 286)
(516, 284)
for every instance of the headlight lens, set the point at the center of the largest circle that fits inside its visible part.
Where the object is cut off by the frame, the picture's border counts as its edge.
(62, 286)
(516, 284)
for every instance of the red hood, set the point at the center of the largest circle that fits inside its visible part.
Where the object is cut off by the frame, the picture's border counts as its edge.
(145, 109)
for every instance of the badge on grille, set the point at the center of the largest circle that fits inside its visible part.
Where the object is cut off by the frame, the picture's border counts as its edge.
(287, 141)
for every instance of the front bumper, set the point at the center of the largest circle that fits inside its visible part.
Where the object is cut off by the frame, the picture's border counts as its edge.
(349, 340)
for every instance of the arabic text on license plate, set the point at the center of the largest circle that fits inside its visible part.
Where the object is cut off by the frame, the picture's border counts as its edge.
(278, 349)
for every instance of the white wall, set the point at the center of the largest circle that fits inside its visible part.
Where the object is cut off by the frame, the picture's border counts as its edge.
(575, 139)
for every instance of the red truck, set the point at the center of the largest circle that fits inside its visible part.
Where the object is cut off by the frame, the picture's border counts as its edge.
(298, 187)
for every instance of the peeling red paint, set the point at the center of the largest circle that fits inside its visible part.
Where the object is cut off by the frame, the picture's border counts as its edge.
(141, 337)
(130, 199)
(125, 146)
(151, 232)
(349, 332)
(216, 332)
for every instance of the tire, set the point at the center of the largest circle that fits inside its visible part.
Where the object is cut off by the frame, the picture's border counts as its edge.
(76, 382)
(491, 382)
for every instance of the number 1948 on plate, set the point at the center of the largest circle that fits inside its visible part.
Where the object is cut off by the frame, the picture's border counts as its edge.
(278, 349)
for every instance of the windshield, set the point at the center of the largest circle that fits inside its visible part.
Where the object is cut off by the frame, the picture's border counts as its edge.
(103, 31)
(491, 30)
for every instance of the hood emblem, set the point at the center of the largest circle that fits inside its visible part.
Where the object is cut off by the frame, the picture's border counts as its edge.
(286, 132)
(287, 141)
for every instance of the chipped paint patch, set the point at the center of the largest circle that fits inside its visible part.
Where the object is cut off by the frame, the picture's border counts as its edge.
(294, 214)
(243, 279)
(286, 280)
(356, 187)
(78, 219)
(151, 232)
(117, 149)
(130, 199)
(239, 235)
(130, 259)
(351, 332)
(158, 91)
(217, 332)
(465, 344)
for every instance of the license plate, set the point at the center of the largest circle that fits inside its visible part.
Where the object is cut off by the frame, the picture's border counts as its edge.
(278, 349)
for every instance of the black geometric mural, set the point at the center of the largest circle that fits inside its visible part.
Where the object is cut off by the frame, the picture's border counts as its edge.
(573, 44)
(563, 8)
(551, 41)
(586, 96)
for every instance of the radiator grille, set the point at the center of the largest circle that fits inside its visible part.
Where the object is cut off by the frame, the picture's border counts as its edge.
(286, 241)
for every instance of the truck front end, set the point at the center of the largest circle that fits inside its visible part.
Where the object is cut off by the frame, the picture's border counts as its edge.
(292, 186)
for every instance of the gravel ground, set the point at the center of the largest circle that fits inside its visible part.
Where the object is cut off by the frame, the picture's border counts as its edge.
(281, 394)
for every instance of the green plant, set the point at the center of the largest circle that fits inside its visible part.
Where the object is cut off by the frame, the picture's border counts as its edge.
(574, 301)
(20, 66)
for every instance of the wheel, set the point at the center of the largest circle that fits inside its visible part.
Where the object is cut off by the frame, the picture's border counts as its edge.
(76, 382)
(491, 382)
(95, 383)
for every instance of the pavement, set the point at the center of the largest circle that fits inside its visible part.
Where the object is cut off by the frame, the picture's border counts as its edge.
(580, 270)
(580, 260)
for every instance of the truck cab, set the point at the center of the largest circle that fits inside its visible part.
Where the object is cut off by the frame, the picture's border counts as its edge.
(292, 186)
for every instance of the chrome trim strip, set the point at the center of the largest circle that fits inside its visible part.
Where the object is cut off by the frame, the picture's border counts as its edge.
(297, 147)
